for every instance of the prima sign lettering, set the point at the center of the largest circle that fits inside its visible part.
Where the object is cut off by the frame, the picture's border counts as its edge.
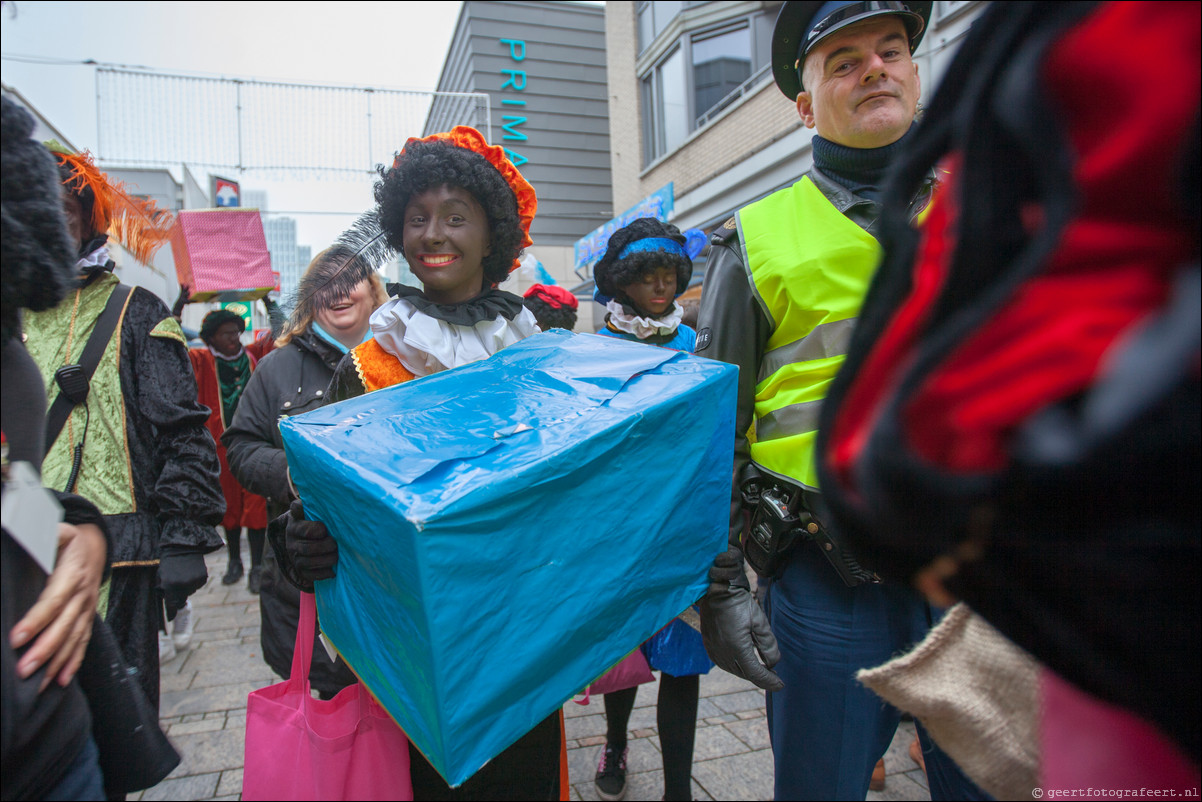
(515, 81)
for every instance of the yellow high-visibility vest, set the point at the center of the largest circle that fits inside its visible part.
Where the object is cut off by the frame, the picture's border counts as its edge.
(809, 267)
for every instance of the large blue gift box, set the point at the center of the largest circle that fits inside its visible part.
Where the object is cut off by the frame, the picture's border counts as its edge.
(510, 529)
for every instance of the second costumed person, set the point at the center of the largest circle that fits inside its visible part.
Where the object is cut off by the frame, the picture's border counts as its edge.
(644, 270)
(459, 212)
(223, 369)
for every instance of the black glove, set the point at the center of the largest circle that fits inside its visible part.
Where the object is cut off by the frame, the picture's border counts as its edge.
(734, 628)
(181, 573)
(311, 549)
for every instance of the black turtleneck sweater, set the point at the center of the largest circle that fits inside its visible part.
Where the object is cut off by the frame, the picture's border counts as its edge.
(862, 170)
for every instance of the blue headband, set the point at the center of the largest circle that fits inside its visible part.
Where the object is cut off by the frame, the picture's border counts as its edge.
(653, 245)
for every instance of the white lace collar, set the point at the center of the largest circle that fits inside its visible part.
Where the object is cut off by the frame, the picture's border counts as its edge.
(426, 345)
(97, 258)
(643, 327)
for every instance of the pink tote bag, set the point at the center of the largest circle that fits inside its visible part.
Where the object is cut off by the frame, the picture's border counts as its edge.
(298, 747)
(631, 670)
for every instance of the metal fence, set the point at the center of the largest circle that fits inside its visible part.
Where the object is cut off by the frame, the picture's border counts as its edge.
(261, 127)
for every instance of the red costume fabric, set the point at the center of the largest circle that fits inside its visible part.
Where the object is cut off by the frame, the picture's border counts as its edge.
(1019, 406)
(242, 508)
(553, 295)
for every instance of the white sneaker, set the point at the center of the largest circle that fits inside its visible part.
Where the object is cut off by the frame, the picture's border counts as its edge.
(166, 648)
(181, 627)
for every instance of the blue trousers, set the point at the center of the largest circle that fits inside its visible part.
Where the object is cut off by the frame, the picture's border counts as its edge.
(827, 730)
(82, 779)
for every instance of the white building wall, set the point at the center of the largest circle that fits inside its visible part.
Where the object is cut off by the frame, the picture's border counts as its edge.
(195, 195)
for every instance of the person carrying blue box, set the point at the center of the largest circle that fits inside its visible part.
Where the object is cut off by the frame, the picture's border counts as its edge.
(459, 212)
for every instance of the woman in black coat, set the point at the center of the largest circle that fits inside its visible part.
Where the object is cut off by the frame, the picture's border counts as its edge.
(290, 380)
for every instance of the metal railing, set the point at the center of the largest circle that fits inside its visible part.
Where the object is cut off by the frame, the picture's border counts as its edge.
(263, 127)
(732, 96)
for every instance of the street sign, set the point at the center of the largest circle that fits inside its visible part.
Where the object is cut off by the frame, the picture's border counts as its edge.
(226, 193)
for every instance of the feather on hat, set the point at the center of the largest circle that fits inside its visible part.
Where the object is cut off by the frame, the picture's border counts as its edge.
(139, 225)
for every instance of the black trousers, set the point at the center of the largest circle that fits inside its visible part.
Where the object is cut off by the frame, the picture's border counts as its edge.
(527, 770)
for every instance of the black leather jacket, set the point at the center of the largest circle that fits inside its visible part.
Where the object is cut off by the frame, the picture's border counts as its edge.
(731, 326)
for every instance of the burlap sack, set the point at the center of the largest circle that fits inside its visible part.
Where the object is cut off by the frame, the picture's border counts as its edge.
(978, 696)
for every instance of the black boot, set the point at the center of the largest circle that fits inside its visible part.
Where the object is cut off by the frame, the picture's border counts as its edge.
(233, 573)
(233, 543)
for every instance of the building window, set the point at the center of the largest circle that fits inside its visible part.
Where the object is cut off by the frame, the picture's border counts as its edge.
(646, 25)
(721, 63)
(947, 10)
(653, 17)
(707, 68)
(665, 106)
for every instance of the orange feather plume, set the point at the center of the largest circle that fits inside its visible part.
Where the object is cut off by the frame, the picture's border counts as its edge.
(139, 225)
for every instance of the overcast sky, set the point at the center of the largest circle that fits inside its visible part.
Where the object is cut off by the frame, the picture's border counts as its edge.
(378, 44)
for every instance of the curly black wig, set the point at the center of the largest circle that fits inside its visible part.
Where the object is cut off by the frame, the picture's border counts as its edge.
(38, 263)
(612, 273)
(427, 165)
(550, 317)
(215, 320)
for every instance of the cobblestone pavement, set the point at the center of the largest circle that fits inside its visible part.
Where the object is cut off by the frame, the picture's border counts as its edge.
(203, 712)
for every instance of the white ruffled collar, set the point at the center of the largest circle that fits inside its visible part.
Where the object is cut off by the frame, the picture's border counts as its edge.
(97, 258)
(426, 344)
(643, 327)
(219, 355)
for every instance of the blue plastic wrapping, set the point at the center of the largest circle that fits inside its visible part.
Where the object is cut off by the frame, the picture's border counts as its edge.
(677, 649)
(510, 529)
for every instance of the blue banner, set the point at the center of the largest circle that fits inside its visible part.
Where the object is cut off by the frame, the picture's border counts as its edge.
(591, 247)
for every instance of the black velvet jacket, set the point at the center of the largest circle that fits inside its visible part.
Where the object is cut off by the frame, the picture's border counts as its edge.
(171, 454)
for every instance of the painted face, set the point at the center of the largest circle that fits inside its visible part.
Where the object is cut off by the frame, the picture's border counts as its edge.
(73, 212)
(347, 318)
(653, 293)
(861, 85)
(226, 339)
(446, 238)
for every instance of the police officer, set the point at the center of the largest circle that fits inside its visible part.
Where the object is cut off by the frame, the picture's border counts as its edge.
(787, 277)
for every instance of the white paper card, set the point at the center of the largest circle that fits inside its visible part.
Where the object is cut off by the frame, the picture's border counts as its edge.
(329, 647)
(31, 514)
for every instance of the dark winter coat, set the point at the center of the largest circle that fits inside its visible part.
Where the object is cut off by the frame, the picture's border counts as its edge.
(42, 732)
(288, 381)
